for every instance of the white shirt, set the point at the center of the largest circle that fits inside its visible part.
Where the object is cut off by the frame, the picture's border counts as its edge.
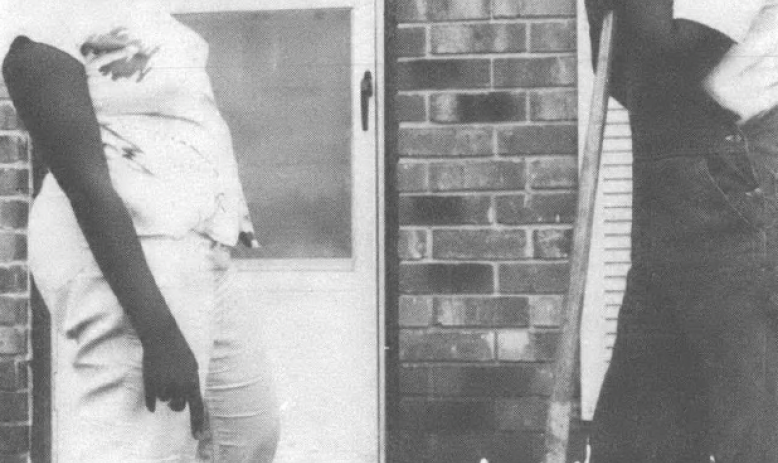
(168, 149)
(730, 17)
(746, 80)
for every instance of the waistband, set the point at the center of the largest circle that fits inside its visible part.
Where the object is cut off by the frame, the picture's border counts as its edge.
(725, 142)
(731, 138)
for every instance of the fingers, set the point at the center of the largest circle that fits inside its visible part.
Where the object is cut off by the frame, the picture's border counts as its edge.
(177, 404)
(196, 413)
(151, 396)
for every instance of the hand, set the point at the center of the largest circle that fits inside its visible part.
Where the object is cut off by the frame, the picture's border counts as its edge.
(248, 239)
(170, 374)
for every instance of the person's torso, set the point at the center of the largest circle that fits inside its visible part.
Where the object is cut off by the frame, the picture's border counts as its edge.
(168, 149)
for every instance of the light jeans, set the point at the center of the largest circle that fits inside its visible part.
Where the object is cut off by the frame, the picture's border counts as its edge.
(100, 411)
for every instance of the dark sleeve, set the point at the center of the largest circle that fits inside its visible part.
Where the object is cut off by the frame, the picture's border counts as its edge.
(49, 89)
(646, 30)
(652, 23)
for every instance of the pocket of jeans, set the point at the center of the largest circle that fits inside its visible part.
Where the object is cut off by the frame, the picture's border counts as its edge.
(744, 185)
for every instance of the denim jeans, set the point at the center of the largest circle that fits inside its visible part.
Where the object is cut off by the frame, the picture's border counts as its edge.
(100, 413)
(694, 372)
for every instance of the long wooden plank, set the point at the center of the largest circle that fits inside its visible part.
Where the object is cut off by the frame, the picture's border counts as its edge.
(558, 421)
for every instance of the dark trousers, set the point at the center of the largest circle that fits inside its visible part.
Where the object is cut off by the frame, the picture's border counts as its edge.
(694, 372)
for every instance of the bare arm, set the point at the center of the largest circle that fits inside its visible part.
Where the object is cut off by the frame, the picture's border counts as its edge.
(49, 89)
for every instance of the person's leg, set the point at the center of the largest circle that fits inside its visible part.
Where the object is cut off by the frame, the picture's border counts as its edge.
(241, 399)
(650, 408)
(101, 413)
(727, 315)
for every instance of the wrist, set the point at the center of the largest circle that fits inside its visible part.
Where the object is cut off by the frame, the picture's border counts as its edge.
(156, 331)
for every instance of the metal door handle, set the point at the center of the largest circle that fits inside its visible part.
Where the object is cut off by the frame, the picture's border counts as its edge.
(366, 91)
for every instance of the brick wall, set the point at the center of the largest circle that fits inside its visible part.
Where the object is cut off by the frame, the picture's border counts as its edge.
(15, 376)
(486, 105)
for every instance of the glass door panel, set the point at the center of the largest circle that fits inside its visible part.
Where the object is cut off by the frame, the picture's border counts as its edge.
(282, 81)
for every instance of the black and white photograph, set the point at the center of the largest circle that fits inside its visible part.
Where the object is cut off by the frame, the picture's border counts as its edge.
(389, 231)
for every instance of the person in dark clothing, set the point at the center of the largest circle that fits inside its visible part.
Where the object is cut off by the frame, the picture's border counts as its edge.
(694, 373)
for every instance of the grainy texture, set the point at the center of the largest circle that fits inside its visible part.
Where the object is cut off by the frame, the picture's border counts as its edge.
(15, 378)
(487, 183)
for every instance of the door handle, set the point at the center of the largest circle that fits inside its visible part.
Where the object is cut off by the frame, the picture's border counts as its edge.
(366, 91)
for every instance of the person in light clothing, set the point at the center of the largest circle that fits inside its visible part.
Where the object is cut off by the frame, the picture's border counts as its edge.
(130, 237)
(694, 373)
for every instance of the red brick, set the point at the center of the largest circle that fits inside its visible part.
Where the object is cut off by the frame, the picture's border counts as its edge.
(12, 149)
(546, 311)
(522, 414)
(410, 108)
(545, 278)
(441, 10)
(536, 208)
(412, 177)
(527, 346)
(479, 244)
(554, 105)
(415, 311)
(14, 439)
(412, 244)
(517, 8)
(8, 376)
(553, 36)
(458, 345)
(479, 38)
(8, 119)
(539, 139)
(535, 72)
(443, 74)
(478, 107)
(18, 458)
(12, 247)
(12, 341)
(545, 344)
(14, 182)
(444, 210)
(414, 380)
(23, 372)
(482, 311)
(13, 311)
(465, 141)
(467, 447)
(13, 279)
(13, 214)
(423, 415)
(554, 173)
(449, 10)
(13, 407)
(470, 176)
(446, 279)
(411, 41)
(411, 10)
(515, 345)
(515, 380)
(552, 244)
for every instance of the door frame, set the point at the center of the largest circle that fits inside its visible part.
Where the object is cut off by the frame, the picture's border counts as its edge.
(386, 226)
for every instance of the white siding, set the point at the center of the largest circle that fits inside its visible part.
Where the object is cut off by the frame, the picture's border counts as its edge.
(610, 245)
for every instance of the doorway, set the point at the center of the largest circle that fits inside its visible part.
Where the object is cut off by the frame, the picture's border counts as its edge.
(295, 82)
